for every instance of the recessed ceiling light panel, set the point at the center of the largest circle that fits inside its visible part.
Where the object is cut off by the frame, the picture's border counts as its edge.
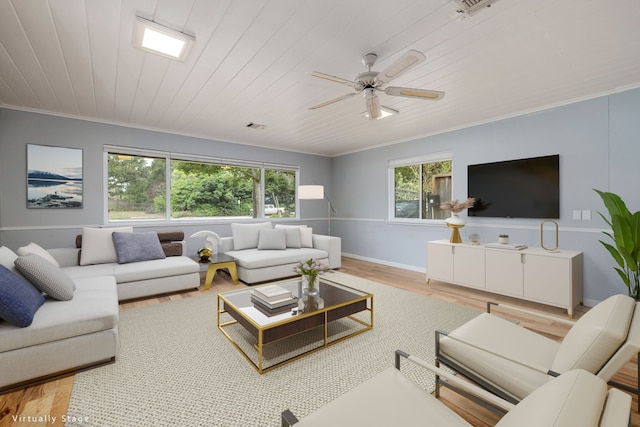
(155, 38)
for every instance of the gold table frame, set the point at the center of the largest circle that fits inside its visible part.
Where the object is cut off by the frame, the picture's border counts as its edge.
(294, 324)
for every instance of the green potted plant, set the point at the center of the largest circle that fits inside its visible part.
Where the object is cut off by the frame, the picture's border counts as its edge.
(625, 234)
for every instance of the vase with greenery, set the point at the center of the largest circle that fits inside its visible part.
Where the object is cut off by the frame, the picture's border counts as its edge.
(625, 234)
(310, 270)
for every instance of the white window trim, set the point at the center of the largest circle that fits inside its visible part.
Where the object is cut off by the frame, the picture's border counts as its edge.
(169, 156)
(439, 156)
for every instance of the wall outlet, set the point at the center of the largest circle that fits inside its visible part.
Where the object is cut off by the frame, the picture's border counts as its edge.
(586, 214)
(577, 214)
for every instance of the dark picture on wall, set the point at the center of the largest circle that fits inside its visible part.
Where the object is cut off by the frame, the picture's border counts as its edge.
(54, 177)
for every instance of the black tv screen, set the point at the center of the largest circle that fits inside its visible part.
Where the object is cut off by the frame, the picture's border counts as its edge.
(523, 188)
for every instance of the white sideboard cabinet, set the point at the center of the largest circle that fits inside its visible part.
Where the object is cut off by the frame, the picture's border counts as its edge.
(533, 274)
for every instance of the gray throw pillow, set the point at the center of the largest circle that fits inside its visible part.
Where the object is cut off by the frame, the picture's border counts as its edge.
(135, 247)
(46, 277)
(274, 238)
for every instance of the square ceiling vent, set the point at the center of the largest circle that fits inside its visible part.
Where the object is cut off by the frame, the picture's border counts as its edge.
(469, 7)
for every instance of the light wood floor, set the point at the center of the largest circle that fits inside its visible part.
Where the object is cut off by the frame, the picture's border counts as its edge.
(52, 398)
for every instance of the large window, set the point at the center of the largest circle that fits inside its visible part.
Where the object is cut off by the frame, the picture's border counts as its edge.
(419, 186)
(147, 187)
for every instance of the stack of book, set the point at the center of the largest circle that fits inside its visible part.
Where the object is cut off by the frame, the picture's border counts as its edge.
(273, 299)
(512, 247)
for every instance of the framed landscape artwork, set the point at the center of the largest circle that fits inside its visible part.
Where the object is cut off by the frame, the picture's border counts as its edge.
(54, 177)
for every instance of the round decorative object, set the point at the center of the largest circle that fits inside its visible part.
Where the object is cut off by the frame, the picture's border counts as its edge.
(204, 254)
(475, 238)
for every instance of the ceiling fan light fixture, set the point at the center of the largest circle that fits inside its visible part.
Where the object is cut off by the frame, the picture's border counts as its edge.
(373, 104)
(385, 112)
(155, 38)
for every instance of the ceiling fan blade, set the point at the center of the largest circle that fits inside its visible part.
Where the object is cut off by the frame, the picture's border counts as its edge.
(332, 101)
(410, 59)
(334, 79)
(409, 92)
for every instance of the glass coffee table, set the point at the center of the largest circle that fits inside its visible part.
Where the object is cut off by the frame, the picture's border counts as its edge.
(268, 340)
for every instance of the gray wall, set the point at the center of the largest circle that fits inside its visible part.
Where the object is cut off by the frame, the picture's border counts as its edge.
(597, 141)
(599, 145)
(58, 227)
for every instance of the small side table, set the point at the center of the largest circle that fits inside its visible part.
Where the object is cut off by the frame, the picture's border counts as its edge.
(216, 262)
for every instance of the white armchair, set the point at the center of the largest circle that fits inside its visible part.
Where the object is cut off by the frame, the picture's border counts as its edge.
(512, 361)
(576, 398)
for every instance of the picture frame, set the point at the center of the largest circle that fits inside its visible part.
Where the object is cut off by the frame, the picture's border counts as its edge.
(54, 177)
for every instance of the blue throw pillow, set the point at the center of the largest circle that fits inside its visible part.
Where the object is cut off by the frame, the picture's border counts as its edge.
(19, 300)
(134, 247)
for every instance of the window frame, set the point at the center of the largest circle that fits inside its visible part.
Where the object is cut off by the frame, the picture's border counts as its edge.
(409, 161)
(169, 157)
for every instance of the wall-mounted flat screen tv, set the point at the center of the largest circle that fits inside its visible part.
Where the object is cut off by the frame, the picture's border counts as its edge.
(523, 188)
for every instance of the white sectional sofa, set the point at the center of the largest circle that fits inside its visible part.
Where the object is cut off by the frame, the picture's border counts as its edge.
(63, 336)
(73, 324)
(137, 279)
(264, 252)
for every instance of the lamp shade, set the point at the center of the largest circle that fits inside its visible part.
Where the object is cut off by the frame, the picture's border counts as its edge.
(310, 192)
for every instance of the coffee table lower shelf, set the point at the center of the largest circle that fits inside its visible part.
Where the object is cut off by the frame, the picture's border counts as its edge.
(287, 325)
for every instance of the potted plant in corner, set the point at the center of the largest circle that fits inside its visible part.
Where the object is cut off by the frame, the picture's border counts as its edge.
(625, 234)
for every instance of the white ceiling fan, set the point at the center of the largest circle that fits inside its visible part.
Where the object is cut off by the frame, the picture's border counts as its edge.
(369, 82)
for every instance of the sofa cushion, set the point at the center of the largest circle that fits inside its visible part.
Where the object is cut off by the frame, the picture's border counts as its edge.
(293, 238)
(477, 344)
(389, 398)
(19, 300)
(575, 398)
(94, 308)
(255, 258)
(306, 237)
(145, 270)
(136, 247)
(246, 236)
(46, 277)
(594, 338)
(8, 258)
(34, 248)
(78, 272)
(274, 239)
(97, 245)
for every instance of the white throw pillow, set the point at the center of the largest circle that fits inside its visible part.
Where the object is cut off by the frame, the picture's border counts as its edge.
(7, 259)
(293, 237)
(274, 239)
(306, 237)
(245, 236)
(33, 248)
(97, 245)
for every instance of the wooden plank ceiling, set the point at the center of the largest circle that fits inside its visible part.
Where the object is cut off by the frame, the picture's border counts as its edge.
(251, 60)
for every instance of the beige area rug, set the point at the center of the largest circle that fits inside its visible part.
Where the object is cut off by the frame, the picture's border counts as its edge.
(175, 368)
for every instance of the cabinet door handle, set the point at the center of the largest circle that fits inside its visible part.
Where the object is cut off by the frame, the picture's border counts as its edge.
(523, 259)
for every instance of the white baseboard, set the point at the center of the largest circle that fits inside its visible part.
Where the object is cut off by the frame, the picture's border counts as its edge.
(384, 262)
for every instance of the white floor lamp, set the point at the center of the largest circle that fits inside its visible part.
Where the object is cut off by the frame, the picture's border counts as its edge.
(316, 192)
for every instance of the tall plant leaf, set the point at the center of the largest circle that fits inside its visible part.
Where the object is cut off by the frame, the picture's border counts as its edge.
(625, 235)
